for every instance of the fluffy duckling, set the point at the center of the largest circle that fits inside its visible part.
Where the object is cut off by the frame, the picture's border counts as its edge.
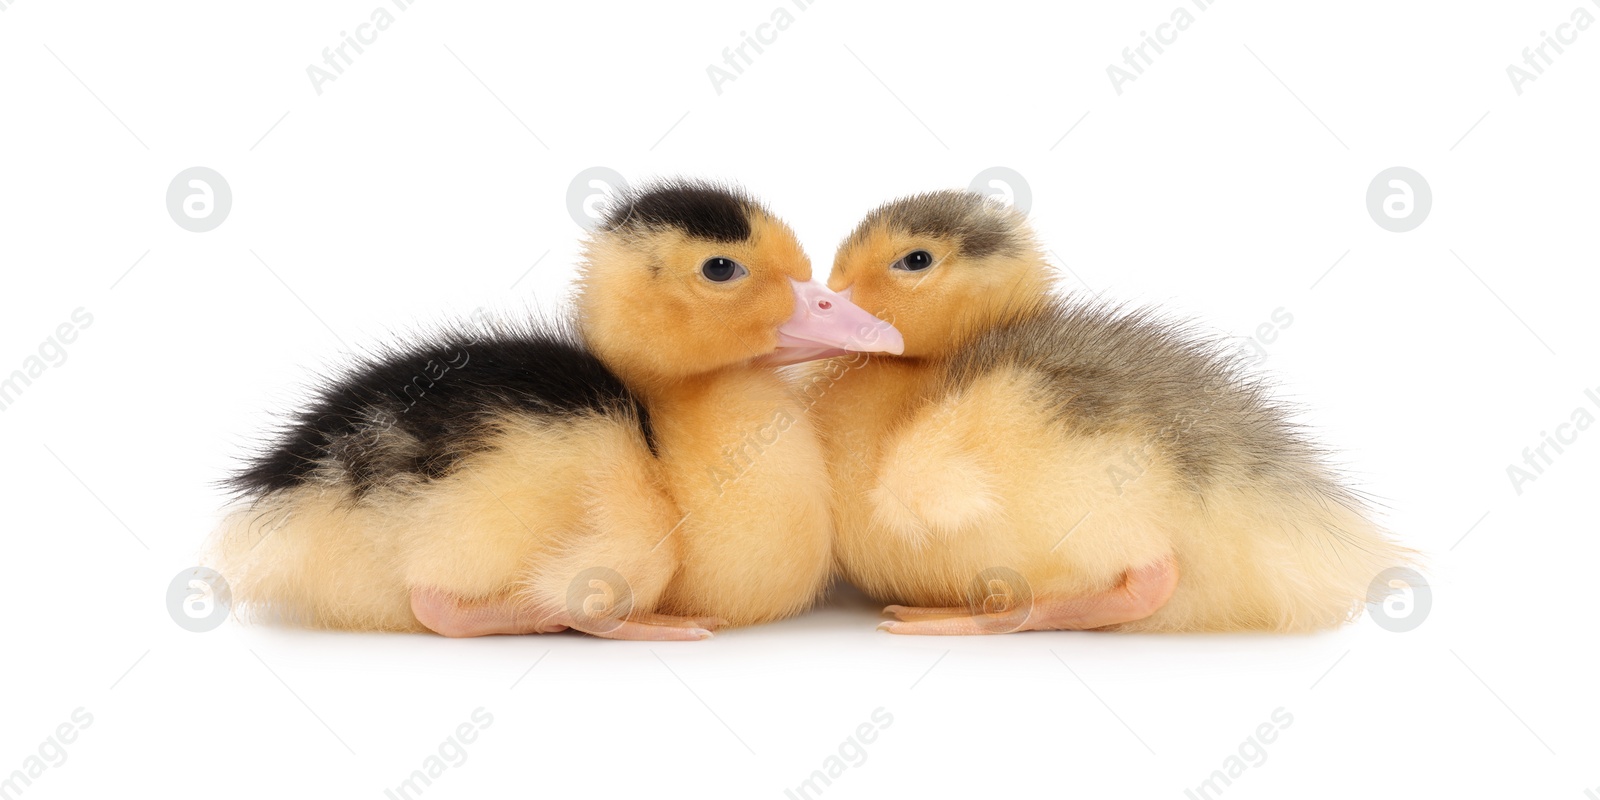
(646, 476)
(1035, 463)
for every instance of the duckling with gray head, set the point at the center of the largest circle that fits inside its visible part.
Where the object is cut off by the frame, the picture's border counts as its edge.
(1033, 461)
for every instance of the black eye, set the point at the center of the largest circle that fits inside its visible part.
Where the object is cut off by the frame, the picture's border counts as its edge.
(915, 261)
(722, 270)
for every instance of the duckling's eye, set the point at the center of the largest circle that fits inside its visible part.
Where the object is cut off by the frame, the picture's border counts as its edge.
(722, 270)
(915, 261)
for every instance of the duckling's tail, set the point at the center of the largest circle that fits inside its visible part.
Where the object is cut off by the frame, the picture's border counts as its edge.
(1285, 561)
(310, 557)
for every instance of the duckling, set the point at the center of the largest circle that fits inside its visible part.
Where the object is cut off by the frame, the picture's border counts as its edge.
(1034, 462)
(643, 473)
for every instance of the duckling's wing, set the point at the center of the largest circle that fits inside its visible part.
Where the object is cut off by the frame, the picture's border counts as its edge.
(1268, 535)
(414, 413)
(1104, 368)
(475, 463)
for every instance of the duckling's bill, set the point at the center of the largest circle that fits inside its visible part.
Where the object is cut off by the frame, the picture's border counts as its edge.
(826, 324)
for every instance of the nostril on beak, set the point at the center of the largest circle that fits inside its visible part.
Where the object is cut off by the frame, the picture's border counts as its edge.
(825, 321)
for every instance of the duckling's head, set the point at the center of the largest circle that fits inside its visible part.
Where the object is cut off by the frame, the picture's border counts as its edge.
(684, 278)
(941, 266)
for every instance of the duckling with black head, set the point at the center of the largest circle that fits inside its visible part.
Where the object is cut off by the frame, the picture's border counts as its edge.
(1036, 462)
(594, 475)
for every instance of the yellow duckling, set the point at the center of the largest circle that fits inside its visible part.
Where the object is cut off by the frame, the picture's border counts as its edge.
(1029, 462)
(646, 476)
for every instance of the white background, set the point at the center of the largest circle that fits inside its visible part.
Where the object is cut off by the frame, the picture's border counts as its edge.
(428, 180)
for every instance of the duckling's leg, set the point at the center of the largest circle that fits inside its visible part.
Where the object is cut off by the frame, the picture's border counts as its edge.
(449, 616)
(501, 549)
(1143, 591)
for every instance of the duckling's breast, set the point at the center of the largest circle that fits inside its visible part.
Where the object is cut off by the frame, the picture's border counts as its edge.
(742, 459)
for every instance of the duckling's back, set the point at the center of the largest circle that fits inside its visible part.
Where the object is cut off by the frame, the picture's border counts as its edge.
(1272, 538)
(412, 414)
(1102, 369)
(468, 436)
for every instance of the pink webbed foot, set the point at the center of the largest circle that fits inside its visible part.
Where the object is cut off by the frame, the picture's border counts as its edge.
(1143, 591)
(448, 615)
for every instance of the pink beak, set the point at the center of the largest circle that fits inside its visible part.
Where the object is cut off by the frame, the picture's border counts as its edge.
(826, 324)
